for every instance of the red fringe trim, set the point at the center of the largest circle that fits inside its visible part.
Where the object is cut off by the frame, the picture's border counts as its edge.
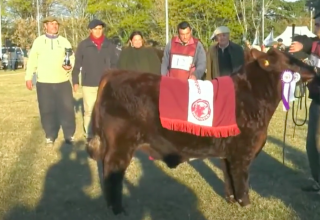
(204, 131)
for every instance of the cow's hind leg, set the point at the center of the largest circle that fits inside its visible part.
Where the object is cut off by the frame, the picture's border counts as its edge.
(228, 184)
(115, 163)
(239, 171)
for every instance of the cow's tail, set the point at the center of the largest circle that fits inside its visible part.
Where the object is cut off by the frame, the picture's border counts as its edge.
(94, 148)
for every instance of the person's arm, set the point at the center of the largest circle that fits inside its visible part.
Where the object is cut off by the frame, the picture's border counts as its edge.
(71, 57)
(122, 61)
(200, 61)
(241, 58)
(154, 61)
(166, 59)
(32, 63)
(77, 64)
(209, 63)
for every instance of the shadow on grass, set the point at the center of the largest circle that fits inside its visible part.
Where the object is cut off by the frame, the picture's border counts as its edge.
(271, 179)
(161, 196)
(64, 196)
(78, 105)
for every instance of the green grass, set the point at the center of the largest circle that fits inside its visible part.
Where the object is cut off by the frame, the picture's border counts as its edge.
(41, 183)
(9, 72)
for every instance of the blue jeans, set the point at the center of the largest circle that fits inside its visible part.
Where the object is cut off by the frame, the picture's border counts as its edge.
(12, 64)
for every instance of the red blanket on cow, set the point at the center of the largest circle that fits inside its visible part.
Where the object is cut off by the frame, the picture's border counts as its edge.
(203, 108)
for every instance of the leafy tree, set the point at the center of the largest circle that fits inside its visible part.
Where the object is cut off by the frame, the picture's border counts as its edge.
(243, 17)
(123, 16)
(23, 36)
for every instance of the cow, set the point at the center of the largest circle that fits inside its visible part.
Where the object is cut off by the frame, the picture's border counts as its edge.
(126, 118)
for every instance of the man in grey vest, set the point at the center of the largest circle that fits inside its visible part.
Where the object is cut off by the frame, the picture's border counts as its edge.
(311, 46)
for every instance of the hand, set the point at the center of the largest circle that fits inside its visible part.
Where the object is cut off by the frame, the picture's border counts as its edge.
(67, 67)
(75, 87)
(295, 47)
(29, 84)
(192, 77)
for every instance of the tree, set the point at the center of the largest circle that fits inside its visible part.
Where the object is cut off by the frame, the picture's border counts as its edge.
(23, 36)
(123, 16)
(243, 17)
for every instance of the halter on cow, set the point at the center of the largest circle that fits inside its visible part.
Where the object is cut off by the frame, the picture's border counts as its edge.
(129, 115)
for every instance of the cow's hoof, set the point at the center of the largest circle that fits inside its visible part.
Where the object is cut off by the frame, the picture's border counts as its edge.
(230, 199)
(118, 210)
(244, 203)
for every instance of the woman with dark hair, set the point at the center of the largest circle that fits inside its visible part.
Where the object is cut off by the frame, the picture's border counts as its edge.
(137, 56)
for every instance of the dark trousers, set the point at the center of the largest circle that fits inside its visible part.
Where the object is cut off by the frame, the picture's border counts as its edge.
(56, 108)
(313, 144)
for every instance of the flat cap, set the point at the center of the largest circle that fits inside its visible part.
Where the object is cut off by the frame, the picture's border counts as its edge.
(95, 22)
(50, 19)
(220, 30)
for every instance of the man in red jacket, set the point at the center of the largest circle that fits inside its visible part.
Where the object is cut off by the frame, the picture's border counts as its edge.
(184, 56)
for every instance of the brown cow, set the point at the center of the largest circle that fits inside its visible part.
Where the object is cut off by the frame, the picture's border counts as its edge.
(126, 118)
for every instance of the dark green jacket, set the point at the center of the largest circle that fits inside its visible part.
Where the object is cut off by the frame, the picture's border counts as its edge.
(237, 59)
(144, 59)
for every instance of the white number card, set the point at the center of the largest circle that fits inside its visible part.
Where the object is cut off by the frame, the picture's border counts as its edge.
(181, 62)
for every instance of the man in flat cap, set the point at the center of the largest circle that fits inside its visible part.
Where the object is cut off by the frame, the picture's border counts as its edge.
(184, 56)
(279, 45)
(311, 46)
(54, 89)
(223, 57)
(94, 56)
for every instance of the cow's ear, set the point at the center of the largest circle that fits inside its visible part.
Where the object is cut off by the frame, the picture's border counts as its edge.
(264, 63)
(262, 59)
(256, 53)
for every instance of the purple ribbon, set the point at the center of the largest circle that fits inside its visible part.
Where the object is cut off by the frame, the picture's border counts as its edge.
(284, 100)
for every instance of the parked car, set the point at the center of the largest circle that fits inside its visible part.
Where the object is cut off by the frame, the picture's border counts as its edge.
(19, 57)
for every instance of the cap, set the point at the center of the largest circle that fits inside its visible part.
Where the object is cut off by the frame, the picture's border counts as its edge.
(316, 16)
(95, 22)
(220, 30)
(280, 40)
(50, 19)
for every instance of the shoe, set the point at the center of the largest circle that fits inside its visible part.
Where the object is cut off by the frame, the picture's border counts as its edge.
(315, 187)
(49, 141)
(69, 140)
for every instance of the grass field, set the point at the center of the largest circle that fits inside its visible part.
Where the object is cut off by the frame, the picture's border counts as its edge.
(62, 183)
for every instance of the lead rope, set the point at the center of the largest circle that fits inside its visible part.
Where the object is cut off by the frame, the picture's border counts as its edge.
(302, 94)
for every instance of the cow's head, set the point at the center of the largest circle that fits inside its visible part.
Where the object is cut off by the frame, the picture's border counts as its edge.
(276, 62)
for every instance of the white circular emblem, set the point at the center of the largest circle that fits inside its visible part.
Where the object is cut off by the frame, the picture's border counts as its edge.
(201, 109)
(287, 76)
(296, 77)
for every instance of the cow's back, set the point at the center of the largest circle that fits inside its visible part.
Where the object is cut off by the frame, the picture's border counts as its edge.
(132, 96)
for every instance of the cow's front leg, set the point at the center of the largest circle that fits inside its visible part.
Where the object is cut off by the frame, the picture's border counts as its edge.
(239, 171)
(228, 184)
(114, 167)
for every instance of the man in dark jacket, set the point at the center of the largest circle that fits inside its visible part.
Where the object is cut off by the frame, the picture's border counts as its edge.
(223, 57)
(311, 46)
(94, 56)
